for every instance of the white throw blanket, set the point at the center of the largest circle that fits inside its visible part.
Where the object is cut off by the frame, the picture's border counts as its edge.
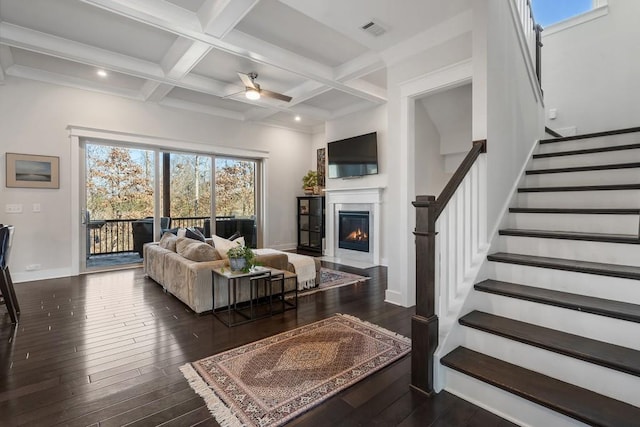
(304, 265)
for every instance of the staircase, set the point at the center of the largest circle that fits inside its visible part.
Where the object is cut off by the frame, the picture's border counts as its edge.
(553, 337)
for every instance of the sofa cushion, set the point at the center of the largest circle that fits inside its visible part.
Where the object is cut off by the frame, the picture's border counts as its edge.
(196, 250)
(194, 233)
(168, 241)
(223, 245)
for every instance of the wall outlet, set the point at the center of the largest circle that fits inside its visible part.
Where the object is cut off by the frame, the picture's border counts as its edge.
(14, 209)
(33, 267)
(37, 207)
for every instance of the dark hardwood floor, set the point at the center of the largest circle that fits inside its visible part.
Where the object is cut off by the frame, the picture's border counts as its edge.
(104, 349)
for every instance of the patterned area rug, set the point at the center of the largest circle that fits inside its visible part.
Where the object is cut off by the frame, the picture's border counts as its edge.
(334, 279)
(271, 381)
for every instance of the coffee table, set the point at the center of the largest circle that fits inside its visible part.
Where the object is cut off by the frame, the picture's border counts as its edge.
(257, 306)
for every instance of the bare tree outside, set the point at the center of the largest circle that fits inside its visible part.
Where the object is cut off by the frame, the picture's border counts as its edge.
(120, 185)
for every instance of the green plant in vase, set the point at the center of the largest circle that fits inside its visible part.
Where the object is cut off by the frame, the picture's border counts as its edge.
(310, 182)
(241, 258)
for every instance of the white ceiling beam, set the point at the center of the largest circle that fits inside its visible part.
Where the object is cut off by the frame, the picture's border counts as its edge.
(235, 42)
(218, 17)
(160, 14)
(200, 108)
(365, 86)
(182, 56)
(6, 61)
(358, 67)
(36, 41)
(69, 81)
(153, 91)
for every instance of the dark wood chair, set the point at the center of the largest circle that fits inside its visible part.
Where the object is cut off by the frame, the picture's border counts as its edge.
(6, 284)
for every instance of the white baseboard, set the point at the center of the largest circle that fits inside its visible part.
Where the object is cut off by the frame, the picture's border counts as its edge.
(394, 297)
(40, 275)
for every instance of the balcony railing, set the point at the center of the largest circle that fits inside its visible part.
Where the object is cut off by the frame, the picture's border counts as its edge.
(115, 236)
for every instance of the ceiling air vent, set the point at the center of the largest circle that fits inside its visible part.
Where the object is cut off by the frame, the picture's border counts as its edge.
(374, 28)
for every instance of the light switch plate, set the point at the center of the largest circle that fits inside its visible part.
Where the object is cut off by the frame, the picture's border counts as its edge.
(14, 208)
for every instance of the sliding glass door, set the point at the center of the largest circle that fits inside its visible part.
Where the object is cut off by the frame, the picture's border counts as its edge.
(218, 195)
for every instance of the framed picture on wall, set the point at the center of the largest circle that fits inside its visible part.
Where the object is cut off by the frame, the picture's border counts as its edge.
(320, 166)
(32, 171)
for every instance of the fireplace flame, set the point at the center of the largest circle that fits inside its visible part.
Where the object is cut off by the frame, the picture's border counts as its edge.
(357, 236)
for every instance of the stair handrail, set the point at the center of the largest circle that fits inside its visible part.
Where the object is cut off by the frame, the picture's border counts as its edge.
(425, 323)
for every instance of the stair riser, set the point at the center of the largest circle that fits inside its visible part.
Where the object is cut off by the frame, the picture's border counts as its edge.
(610, 253)
(504, 404)
(581, 144)
(613, 288)
(597, 177)
(601, 328)
(609, 157)
(612, 224)
(605, 381)
(580, 199)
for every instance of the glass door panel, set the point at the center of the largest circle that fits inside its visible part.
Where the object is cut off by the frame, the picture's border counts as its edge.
(186, 190)
(235, 193)
(119, 184)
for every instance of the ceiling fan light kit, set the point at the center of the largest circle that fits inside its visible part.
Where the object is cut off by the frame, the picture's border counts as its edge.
(253, 91)
(252, 94)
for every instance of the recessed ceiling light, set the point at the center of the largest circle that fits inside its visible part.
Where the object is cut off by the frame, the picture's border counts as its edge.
(297, 118)
(252, 94)
(101, 73)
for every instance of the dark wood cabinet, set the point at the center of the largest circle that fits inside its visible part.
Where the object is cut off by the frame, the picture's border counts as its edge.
(310, 223)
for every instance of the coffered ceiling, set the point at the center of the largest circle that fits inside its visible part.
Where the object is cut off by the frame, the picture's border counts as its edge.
(187, 53)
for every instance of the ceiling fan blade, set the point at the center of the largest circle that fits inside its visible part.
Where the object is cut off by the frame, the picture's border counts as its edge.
(231, 95)
(275, 95)
(247, 81)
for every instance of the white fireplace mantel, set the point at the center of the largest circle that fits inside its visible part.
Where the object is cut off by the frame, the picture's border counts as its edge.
(342, 198)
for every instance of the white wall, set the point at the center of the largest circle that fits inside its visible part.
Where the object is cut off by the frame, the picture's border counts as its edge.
(372, 120)
(33, 120)
(514, 113)
(401, 160)
(430, 177)
(590, 71)
(450, 111)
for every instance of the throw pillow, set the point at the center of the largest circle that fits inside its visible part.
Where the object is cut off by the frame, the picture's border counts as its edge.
(196, 250)
(234, 236)
(223, 245)
(181, 232)
(194, 233)
(168, 241)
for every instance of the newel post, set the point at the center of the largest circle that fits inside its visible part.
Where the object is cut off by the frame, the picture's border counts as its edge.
(424, 324)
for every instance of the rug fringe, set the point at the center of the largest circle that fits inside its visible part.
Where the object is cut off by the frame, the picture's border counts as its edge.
(221, 412)
(307, 292)
(376, 327)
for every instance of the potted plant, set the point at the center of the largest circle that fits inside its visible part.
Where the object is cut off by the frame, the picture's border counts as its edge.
(241, 258)
(310, 182)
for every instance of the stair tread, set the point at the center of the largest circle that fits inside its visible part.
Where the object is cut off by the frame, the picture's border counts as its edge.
(584, 168)
(613, 270)
(580, 188)
(590, 135)
(600, 306)
(601, 353)
(588, 151)
(572, 235)
(576, 402)
(587, 211)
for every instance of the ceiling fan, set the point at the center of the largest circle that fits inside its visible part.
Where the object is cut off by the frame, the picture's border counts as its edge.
(253, 90)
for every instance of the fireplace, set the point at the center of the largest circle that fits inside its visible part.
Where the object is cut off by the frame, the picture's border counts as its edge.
(353, 230)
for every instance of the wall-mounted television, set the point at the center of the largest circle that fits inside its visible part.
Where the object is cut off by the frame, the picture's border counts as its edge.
(353, 157)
